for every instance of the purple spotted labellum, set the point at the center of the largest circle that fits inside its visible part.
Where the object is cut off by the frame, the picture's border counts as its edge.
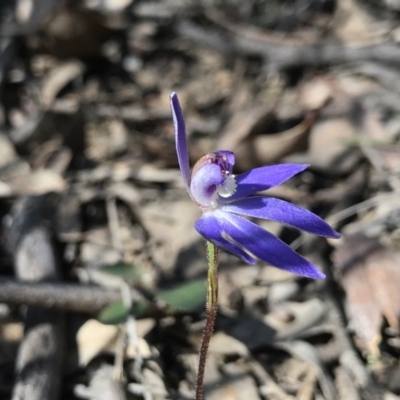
(224, 198)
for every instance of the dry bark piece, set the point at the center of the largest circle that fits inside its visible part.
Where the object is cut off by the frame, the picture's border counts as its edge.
(76, 298)
(39, 361)
(369, 274)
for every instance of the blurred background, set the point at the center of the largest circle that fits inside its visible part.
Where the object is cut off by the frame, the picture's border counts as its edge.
(102, 274)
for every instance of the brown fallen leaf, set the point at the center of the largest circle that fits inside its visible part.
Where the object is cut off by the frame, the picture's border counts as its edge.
(353, 25)
(58, 78)
(256, 138)
(379, 145)
(370, 275)
(37, 182)
(94, 338)
(328, 147)
(314, 93)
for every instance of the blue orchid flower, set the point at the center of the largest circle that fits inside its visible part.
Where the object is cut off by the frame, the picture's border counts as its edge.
(224, 198)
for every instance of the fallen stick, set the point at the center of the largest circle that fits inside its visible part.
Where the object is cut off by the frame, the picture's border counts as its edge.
(57, 296)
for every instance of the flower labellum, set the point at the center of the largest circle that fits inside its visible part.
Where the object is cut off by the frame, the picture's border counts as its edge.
(224, 198)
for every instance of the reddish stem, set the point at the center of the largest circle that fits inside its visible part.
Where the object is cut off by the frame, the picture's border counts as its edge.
(208, 330)
(211, 311)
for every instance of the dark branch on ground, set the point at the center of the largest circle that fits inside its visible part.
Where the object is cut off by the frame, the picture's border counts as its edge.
(68, 297)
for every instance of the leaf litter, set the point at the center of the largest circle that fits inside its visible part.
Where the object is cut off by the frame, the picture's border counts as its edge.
(85, 116)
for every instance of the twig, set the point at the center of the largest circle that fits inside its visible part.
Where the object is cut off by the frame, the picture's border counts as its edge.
(362, 206)
(235, 40)
(57, 296)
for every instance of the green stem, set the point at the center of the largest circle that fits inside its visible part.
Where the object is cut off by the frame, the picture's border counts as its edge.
(211, 310)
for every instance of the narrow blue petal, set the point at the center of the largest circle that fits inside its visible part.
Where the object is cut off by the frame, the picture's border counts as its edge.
(263, 178)
(265, 246)
(281, 211)
(180, 139)
(208, 226)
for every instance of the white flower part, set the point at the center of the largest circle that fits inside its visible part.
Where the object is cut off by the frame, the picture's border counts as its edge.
(228, 187)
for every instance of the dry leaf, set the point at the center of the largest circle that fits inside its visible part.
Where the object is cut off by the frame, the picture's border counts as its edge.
(255, 140)
(315, 93)
(93, 338)
(37, 182)
(370, 275)
(7, 151)
(355, 26)
(221, 343)
(328, 146)
(271, 148)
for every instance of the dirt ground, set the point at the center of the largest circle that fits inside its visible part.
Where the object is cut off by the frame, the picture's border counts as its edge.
(102, 273)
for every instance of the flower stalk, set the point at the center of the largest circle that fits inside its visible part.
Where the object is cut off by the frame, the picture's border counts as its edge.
(211, 311)
(226, 202)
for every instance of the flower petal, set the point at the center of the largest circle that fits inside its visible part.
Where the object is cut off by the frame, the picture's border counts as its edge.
(263, 178)
(203, 186)
(230, 157)
(208, 226)
(265, 246)
(281, 211)
(180, 139)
